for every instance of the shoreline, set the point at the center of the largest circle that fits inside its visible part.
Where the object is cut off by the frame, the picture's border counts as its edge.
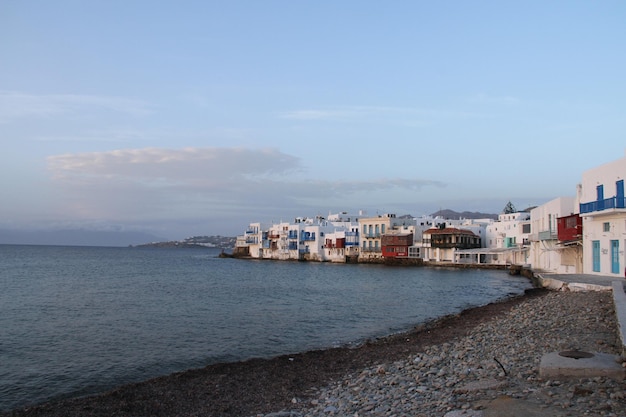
(254, 386)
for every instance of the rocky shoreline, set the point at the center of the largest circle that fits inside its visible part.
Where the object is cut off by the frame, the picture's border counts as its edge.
(453, 366)
(497, 361)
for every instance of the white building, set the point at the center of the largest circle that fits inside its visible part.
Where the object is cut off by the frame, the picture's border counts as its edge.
(512, 230)
(504, 241)
(546, 252)
(303, 239)
(603, 209)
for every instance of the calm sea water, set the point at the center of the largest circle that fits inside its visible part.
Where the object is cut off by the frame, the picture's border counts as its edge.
(81, 320)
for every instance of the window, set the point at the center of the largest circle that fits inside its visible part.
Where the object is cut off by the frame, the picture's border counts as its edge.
(606, 226)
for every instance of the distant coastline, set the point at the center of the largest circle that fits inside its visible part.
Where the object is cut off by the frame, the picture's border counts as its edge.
(195, 242)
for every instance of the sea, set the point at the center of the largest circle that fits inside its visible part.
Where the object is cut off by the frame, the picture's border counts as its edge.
(76, 321)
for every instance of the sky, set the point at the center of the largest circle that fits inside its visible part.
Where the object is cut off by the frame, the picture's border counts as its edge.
(198, 117)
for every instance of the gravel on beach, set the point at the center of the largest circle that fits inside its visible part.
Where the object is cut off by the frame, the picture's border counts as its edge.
(449, 367)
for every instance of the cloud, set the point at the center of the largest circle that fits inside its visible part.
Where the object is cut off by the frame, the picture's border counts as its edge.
(348, 112)
(16, 105)
(154, 183)
(172, 165)
(412, 115)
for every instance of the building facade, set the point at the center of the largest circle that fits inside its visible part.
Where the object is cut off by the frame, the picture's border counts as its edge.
(441, 244)
(547, 252)
(372, 230)
(602, 207)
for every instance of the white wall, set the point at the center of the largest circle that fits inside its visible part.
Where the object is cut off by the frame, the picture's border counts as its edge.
(545, 252)
(606, 227)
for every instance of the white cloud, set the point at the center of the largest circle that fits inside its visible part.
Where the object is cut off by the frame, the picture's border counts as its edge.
(153, 183)
(404, 115)
(178, 165)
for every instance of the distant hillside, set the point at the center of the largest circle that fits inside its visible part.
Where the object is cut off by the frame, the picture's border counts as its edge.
(220, 242)
(454, 215)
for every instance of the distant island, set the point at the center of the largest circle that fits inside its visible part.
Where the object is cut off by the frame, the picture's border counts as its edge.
(220, 242)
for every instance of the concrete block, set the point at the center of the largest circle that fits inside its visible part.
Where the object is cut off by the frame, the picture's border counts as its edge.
(581, 365)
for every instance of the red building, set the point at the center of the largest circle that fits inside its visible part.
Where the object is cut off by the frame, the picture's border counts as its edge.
(569, 228)
(338, 243)
(396, 245)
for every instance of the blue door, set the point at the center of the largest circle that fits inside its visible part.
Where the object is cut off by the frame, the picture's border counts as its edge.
(600, 196)
(620, 203)
(595, 245)
(615, 256)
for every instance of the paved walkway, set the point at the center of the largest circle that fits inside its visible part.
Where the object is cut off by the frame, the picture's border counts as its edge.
(601, 280)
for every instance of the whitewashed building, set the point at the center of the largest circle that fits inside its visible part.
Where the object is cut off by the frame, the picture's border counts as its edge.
(603, 210)
(503, 242)
(547, 253)
(315, 239)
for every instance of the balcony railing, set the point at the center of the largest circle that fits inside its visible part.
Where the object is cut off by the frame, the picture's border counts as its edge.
(457, 245)
(547, 235)
(606, 204)
(371, 235)
(374, 249)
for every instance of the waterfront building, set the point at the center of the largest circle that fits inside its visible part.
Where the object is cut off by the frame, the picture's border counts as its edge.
(275, 244)
(423, 223)
(505, 241)
(440, 244)
(306, 238)
(249, 244)
(602, 205)
(511, 230)
(396, 245)
(342, 244)
(547, 251)
(372, 230)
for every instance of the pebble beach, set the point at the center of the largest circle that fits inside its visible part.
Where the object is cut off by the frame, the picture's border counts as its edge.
(466, 365)
(497, 361)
